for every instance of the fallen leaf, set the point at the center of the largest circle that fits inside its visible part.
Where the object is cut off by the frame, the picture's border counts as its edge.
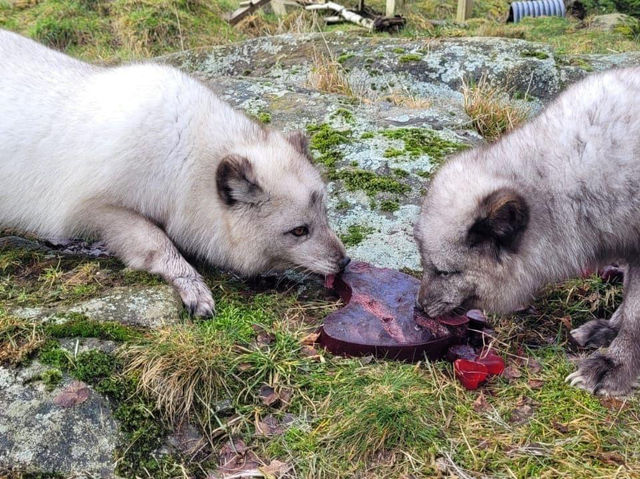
(533, 365)
(613, 403)
(285, 395)
(269, 426)
(275, 469)
(244, 367)
(234, 456)
(480, 404)
(535, 383)
(566, 321)
(268, 395)
(310, 339)
(309, 352)
(511, 372)
(560, 427)
(76, 393)
(265, 339)
(611, 457)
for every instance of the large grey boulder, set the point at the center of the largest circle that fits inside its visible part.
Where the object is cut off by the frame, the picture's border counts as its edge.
(38, 435)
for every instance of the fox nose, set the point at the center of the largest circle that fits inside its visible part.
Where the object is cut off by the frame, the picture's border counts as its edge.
(342, 264)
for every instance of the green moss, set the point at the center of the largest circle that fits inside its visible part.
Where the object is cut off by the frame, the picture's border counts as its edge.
(264, 117)
(342, 205)
(345, 114)
(366, 135)
(540, 55)
(92, 366)
(327, 141)
(344, 57)
(53, 355)
(400, 173)
(51, 378)
(79, 326)
(419, 141)
(397, 50)
(355, 235)
(392, 153)
(410, 57)
(389, 205)
(371, 183)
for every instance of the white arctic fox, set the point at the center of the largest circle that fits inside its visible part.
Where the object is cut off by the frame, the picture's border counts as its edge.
(152, 162)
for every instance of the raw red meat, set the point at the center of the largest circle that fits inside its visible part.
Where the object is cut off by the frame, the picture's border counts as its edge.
(470, 373)
(380, 318)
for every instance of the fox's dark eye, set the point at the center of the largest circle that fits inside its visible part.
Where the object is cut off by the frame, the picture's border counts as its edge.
(300, 231)
(445, 274)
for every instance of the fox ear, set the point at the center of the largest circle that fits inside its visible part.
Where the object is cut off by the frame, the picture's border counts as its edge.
(502, 218)
(237, 183)
(300, 142)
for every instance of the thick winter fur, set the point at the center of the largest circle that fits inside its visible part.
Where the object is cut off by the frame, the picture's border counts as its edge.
(152, 162)
(544, 203)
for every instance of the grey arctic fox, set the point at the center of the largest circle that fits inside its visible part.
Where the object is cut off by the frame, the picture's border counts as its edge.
(152, 162)
(552, 198)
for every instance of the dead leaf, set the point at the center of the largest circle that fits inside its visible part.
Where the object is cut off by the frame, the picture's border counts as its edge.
(560, 427)
(269, 426)
(234, 456)
(480, 404)
(309, 352)
(611, 457)
(613, 403)
(285, 395)
(76, 393)
(566, 321)
(533, 365)
(310, 339)
(535, 383)
(265, 339)
(268, 395)
(511, 372)
(244, 367)
(275, 469)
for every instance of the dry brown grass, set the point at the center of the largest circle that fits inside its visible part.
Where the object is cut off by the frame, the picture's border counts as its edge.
(183, 368)
(328, 75)
(403, 97)
(490, 110)
(18, 339)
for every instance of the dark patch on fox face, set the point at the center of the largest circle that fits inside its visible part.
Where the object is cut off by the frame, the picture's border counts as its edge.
(502, 218)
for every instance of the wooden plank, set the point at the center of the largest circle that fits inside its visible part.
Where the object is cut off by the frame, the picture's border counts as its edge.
(242, 12)
(464, 10)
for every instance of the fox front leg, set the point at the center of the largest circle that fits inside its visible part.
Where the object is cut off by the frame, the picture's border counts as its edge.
(142, 245)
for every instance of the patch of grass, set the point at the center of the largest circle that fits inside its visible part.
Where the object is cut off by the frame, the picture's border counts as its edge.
(421, 141)
(366, 135)
(19, 339)
(355, 235)
(489, 109)
(79, 326)
(371, 183)
(327, 75)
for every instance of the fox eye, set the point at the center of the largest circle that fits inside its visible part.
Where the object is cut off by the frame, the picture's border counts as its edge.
(445, 274)
(300, 231)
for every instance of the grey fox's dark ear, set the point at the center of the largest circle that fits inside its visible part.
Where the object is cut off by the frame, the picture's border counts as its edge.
(502, 218)
(236, 182)
(300, 142)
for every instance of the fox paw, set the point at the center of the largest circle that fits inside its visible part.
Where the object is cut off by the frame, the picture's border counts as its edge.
(599, 374)
(595, 334)
(196, 296)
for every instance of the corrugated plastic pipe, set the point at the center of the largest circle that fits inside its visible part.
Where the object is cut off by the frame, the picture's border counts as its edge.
(538, 8)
